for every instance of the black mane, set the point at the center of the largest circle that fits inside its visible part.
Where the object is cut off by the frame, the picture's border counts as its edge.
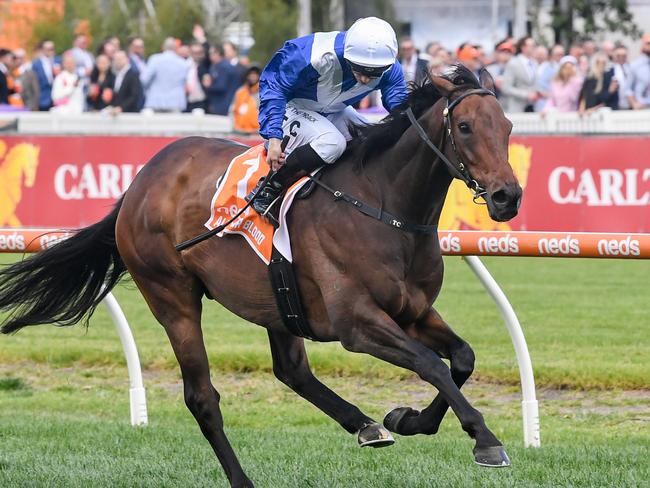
(370, 139)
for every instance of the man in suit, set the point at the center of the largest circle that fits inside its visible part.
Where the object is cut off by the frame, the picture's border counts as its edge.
(519, 87)
(638, 85)
(622, 72)
(231, 53)
(165, 79)
(43, 67)
(221, 83)
(414, 68)
(128, 88)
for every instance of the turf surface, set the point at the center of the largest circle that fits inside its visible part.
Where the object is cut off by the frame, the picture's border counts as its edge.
(586, 322)
(64, 406)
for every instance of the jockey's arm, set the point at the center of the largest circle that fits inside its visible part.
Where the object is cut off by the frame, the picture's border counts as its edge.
(393, 87)
(278, 82)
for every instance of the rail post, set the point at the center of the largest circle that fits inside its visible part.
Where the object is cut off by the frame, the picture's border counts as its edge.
(137, 396)
(529, 405)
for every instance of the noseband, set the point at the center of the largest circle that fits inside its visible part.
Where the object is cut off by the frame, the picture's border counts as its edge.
(459, 170)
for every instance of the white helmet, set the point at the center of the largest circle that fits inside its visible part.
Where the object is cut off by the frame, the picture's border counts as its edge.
(370, 42)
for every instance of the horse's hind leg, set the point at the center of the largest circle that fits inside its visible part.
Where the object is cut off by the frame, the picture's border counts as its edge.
(176, 303)
(374, 332)
(291, 367)
(433, 332)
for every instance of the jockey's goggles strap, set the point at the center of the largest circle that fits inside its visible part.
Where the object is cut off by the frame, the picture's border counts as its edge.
(370, 71)
(375, 213)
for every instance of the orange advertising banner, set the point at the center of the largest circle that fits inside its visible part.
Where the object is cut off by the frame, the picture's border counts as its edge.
(452, 243)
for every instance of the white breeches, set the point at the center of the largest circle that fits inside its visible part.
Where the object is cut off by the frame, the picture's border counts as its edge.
(327, 135)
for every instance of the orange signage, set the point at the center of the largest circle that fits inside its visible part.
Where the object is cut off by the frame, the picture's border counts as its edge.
(452, 243)
(17, 19)
(17, 170)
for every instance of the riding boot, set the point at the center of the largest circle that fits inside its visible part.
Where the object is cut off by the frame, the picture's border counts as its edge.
(303, 160)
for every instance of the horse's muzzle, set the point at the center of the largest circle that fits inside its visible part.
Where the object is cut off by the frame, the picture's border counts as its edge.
(503, 204)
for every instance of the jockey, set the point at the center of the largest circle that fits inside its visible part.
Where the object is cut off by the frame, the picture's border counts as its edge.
(306, 93)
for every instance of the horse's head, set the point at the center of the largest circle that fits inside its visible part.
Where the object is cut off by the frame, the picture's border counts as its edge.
(479, 133)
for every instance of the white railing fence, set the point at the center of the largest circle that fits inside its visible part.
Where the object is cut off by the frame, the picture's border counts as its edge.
(603, 121)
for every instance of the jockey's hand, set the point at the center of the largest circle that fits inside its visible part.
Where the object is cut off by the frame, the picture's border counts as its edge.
(274, 155)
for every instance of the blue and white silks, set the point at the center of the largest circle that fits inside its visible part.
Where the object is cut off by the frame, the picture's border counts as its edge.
(311, 73)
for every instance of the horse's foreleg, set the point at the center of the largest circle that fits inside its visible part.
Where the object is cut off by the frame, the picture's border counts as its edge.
(433, 332)
(374, 332)
(291, 367)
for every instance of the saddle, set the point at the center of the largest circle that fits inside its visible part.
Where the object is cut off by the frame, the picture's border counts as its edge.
(303, 193)
(270, 242)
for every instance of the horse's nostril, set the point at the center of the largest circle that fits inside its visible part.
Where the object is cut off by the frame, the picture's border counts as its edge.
(500, 197)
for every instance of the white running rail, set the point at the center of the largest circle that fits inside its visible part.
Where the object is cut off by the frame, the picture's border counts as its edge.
(137, 396)
(529, 405)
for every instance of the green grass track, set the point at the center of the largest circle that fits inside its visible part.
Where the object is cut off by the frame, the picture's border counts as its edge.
(64, 400)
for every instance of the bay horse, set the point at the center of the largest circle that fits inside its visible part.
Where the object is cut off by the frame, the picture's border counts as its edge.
(369, 285)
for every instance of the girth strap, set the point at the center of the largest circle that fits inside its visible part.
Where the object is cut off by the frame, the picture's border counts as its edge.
(377, 213)
(287, 296)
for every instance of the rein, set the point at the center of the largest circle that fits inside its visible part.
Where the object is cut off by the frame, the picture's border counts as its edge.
(377, 213)
(460, 170)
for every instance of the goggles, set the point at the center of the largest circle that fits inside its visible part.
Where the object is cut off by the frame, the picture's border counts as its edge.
(369, 71)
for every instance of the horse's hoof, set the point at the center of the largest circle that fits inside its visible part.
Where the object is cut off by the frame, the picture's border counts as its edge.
(374, 435)
(491, 457)
(397, 416)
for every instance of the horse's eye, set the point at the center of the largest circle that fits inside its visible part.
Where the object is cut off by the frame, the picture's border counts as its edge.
(464, 128)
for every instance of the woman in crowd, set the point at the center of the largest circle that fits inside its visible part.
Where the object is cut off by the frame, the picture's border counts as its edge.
(67, 89)
(102, 81)
(600, 88)
(565, 87)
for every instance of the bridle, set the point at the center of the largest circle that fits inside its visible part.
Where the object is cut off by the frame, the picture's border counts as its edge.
(460, 169)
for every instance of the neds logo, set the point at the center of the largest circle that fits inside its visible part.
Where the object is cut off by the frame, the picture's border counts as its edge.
(46, 241)
(450, 243)
(505, 244)
(614, 247)
(567, 245)
(12, 242)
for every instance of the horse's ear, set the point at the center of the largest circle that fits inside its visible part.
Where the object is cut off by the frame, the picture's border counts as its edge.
(443, 85)
(486, 80)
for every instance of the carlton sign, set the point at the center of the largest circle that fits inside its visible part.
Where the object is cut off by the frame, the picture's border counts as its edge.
(93, 182)
(571, 184)
(605, 187)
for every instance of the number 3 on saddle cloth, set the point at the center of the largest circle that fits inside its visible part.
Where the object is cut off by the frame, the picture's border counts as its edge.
(271, 246)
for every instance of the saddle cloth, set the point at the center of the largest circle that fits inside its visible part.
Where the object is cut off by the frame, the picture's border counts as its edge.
(243, 173)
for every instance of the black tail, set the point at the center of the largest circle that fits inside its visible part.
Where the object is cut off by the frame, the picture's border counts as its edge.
(63, 284)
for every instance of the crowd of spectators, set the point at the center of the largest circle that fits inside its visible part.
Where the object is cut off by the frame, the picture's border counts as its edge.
(214, 78)
(182, 77)
(533, 78)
